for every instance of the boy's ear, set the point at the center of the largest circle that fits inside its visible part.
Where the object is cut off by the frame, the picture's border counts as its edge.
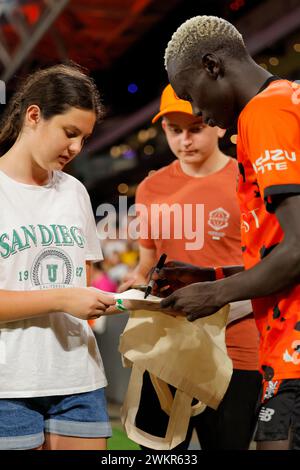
(163, 124)
(221, 132)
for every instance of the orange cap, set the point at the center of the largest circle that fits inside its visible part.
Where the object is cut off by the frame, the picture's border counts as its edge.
(170, 103)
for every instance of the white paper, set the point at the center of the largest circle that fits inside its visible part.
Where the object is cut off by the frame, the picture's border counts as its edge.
(136, 298)
(135, 294)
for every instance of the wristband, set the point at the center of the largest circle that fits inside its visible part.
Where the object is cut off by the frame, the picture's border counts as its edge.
(219, 273)
(120, 305)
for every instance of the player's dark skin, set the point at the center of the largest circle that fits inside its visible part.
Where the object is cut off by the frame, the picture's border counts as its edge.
(278, 270)
(222, 100)
(218, 88)
(175, 275)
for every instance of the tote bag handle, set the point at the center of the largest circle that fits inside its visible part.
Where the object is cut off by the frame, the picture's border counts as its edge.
(179, 418)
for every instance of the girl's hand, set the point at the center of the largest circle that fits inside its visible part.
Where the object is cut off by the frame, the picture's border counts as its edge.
(85, 303)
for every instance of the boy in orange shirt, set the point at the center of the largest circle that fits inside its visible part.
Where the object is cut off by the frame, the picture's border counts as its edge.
(197, 177)
(208, 65)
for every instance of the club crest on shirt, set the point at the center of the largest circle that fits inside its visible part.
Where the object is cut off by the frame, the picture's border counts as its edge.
(218, 219)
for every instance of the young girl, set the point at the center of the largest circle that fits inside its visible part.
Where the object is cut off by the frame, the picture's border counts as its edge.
(52, 377)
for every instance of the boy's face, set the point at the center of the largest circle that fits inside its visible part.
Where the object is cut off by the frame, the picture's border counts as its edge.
(211, 98)
(191, 141)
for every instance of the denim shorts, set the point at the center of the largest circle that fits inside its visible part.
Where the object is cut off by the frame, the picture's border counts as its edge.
(23, 421)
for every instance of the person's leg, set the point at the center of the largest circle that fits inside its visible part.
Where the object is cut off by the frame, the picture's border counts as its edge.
(58, 442)
(151, 418)
(77, 422)
(274, 445)
(21, 425)
(231, 426)
(279, 415)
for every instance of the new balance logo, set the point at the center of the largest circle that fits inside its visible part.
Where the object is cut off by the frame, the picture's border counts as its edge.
(266, 414)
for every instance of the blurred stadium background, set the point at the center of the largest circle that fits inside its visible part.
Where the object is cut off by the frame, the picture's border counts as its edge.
(122, 43)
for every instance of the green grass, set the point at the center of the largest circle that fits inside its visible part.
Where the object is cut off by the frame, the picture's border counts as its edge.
(120, 441)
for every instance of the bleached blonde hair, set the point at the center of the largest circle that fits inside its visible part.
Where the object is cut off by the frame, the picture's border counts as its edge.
(201, 35)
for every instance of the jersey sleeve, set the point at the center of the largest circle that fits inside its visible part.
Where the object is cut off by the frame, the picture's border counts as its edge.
(273, 141)
(93, 245)
(144, 214)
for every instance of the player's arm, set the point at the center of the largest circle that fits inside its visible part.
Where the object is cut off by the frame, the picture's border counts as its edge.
(278, 270)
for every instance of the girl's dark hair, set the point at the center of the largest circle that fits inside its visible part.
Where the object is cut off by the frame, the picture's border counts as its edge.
(54, 89)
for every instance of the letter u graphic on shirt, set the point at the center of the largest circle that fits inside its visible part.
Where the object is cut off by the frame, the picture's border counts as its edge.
(52, 272)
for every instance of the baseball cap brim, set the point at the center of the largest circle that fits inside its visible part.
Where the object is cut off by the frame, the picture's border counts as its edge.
(179, 108)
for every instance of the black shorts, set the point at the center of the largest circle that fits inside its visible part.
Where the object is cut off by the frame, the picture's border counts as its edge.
(279, 412)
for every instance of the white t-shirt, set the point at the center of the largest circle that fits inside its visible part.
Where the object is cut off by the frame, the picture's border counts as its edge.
(46, 235)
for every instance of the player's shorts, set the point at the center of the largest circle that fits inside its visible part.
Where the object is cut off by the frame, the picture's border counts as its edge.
(279, 412)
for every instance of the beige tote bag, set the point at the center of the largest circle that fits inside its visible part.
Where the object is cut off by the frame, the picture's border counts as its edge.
(189, 356)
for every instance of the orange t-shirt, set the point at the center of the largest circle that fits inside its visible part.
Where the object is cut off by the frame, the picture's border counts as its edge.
(268, 154)
(215, 224)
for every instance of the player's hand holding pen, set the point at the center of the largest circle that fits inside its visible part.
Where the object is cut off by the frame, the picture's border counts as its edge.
(156, 270)
(175, 275)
